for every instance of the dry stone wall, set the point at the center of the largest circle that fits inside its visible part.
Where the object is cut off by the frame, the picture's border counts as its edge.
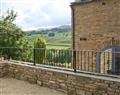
(3, 69)
(68, 82)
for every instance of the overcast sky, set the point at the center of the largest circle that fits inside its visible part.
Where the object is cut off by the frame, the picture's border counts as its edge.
(33, 14)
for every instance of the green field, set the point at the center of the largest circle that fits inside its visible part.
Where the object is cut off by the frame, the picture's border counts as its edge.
(59, 41)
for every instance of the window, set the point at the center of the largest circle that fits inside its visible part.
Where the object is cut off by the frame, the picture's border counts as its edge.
(83, 39)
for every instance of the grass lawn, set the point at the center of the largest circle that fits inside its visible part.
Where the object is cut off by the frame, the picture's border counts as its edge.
(58, 46)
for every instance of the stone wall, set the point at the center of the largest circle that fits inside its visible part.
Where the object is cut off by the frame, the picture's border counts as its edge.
(95, 23)
(3, 69)
(68, 82)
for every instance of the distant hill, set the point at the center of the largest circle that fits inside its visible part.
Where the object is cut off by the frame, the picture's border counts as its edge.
(62, 28)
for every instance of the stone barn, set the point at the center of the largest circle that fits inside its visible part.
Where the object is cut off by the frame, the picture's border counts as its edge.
(96, 30)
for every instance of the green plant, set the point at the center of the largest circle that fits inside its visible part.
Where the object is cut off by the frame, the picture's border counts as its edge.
(39, 51)
(12, 36)
(51, 34)
(59, 56)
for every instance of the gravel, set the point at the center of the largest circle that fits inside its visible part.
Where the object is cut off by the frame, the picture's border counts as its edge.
(10, 86)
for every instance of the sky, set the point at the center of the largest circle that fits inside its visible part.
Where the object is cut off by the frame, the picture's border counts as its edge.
(34, 14)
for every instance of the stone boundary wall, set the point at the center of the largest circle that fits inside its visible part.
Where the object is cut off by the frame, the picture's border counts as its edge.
(68, 82)
(3, 69)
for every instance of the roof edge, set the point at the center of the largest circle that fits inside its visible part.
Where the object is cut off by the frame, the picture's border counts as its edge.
(81, 2)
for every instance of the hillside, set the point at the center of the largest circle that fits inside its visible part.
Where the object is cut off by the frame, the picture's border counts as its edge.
(62, 28)
(57, 37)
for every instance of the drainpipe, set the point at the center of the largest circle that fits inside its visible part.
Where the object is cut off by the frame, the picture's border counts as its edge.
(73, 39)
(73, 27)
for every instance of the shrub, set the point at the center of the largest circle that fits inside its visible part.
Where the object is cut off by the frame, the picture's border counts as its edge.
(39, 51)
(59, 56)
(51, 34)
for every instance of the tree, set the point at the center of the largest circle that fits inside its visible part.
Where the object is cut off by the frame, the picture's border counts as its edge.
(51, 34)
(9, 32)
(40, 46)
(11, 36)
(11, 16)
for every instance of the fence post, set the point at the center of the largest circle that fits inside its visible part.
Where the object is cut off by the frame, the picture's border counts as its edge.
(98, 62)
(34, 56)
(112, 43)
(74, 60)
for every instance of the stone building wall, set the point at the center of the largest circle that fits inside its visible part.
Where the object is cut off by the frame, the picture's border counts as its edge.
(95, 23)
(65, 81)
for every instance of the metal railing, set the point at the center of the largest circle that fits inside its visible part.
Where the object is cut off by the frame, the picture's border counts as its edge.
(89, 61)
(53, 57)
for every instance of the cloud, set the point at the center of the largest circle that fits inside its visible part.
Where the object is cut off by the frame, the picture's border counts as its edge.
(39, 13)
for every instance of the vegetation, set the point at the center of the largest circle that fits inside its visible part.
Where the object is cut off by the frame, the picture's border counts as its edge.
(59, 41)
(59, 29)
(18, 44)
(12, 36)
(56, 38)
(51, 34)
(58, 56)
(40, 46)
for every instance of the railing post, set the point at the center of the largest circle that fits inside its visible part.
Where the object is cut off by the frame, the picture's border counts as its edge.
(74, 60)
(34, 56)
(98, 62)
(113, 61)
(112, 43)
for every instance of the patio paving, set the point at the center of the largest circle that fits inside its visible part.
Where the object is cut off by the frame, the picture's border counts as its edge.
(10, 86)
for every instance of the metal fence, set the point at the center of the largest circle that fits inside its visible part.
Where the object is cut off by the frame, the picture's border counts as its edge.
(53, 57)
(89, 61)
